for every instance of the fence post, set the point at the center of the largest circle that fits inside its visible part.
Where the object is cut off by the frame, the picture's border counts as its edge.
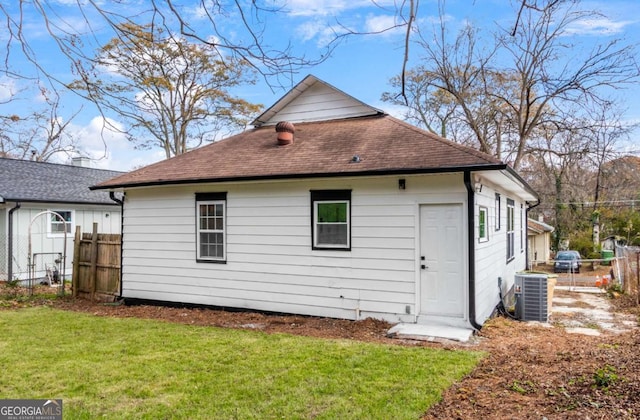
(637, 278)
(94, 260)
(76, 262)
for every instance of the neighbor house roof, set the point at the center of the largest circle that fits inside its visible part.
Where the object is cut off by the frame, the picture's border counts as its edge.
(538, 227)
(30, 181)
(355, 146)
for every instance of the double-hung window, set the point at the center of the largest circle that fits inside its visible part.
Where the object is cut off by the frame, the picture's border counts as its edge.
(510, 229)
(331, 219)
(58, 227)
(211, 231)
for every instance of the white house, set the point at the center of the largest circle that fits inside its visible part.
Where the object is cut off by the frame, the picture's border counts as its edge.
(539, 238)
(32, 195)
(340, 210)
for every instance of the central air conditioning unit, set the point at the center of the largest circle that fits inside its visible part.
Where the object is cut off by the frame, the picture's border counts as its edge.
(531, 295)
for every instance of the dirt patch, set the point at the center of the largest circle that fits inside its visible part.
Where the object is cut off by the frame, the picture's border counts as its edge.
(531, 371)
(584, 365)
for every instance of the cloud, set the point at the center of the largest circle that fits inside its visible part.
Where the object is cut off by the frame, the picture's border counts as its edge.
(103, 141)
(324, 32)
(311, 29)
(332, 7)
(383, 23)
(7, 89)
(598, 26)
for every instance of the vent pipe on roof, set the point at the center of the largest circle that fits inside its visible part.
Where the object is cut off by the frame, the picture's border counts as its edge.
(285, 132)
(83, 162)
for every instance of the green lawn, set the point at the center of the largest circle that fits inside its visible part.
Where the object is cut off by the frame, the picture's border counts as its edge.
(134, 368)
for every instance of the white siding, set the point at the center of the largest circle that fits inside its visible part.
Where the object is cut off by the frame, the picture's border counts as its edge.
(539, 248)
(270, 264)
(491, 256)
(320, 102)
(107, 217)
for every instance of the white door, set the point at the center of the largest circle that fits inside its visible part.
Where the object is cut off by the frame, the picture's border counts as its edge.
(442, 256)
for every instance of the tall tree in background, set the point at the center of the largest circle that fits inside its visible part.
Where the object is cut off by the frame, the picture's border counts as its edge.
(38, 135)
(557, 167)
(173, 93)
(508, 92)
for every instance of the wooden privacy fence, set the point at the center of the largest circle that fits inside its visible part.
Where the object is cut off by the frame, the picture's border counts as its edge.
(96, 265)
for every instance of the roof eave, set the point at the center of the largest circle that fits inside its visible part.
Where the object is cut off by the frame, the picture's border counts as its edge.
(57, 202)
(511, 181)
(376, 172)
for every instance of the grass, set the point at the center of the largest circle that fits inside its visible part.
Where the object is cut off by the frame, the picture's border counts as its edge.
(134, 368)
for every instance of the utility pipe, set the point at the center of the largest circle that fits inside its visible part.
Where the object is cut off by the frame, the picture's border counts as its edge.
(471, 243)
(112, 196)
(10, 239)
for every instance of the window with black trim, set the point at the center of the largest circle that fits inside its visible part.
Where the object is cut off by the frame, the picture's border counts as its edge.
(211, 232)
(510, 229)
(483, 234)
(498, 211)
(331, 219)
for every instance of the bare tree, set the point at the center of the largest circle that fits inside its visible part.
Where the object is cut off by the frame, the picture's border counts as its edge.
(532, 73)
(557, 167)
(77, 40)
(39, 135)
(430, 107)
(604, 133)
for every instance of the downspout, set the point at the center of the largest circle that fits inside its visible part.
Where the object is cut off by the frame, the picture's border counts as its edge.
(10, 240)
(112, 196)
(471, 243)
(527, 233)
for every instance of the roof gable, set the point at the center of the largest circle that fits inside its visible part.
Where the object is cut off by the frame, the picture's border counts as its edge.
(314, 100)
(30, 181)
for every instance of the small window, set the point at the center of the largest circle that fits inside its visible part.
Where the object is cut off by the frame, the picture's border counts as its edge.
(331, 219)
(211, 209)
(483, 234)
(57, 227)
(498, 214)
(510, 230)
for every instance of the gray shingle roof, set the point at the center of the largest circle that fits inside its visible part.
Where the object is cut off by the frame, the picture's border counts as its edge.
(28, 181)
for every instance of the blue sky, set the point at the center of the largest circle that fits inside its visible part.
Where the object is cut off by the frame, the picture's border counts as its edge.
(361, 66)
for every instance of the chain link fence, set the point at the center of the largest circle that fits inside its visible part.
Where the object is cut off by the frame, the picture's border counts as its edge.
(19, 260)
(628, 260)
(14, 273)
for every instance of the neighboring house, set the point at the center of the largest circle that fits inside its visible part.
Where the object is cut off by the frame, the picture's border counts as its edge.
(359, 215)
(611, 242)
(539, 242)
(27, 189)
